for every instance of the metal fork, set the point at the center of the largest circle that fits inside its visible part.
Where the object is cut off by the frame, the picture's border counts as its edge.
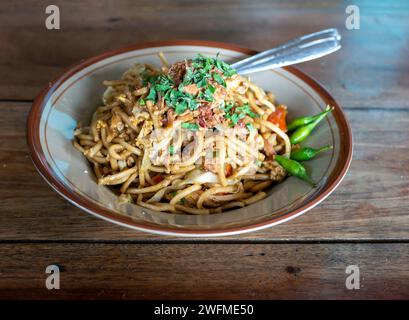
(305, 48)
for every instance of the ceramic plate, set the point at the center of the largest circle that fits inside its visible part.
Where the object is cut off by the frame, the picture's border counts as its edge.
(74, 96)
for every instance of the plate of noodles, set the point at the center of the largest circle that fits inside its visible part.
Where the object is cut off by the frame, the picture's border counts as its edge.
(168, 138)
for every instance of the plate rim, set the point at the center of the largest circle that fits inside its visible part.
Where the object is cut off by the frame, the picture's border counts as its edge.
(40, 163)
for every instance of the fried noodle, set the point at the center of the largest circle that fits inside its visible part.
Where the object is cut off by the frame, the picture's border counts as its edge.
(190, 137)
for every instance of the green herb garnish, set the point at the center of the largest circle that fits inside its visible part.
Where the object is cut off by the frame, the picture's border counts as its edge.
(206, 63)
(246, 110)
(208, 93)
(188, 78)
(202, 70)
(249, 126)
(152, 94)
(180, 101)
(190, 126)
(238, 112)
(164, 83)
(180, 107)
(219, 79)
(235, 117)
(227, 107)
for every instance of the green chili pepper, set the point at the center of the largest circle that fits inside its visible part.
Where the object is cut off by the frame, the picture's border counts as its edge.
(307, 153)
(305, 120)
(303, 132)
(294, 168)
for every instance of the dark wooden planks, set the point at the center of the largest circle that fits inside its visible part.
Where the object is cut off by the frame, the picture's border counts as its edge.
(371, 204)
(371, 70)
(219, 271)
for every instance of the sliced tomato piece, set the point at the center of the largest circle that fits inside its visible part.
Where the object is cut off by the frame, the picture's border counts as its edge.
(228, 170)
(158, 178)
(278, 117)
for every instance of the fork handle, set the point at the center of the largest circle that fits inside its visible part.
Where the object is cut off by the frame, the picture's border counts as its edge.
(305, 48)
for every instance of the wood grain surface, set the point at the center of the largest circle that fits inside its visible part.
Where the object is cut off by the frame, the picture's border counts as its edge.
(365, 221)
(195, 271)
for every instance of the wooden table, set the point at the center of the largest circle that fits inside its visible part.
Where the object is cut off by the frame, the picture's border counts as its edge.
(365, 222)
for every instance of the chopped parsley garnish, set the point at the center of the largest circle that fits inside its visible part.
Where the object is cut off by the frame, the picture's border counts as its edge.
(202, 70)
(164, 83)
(226, 108)
(206, 63)
(180, 100)
(235, 117)
(202, 82)
(199, 77)
(249, 126)
(142, 102)
(219, 79)
(189, 75)
(208, 93)
(180, 107)
(152, 94)
(246, 110)
(190, 126)
(225, 68)
(211, 89)
(171, 149)
(238, 113)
